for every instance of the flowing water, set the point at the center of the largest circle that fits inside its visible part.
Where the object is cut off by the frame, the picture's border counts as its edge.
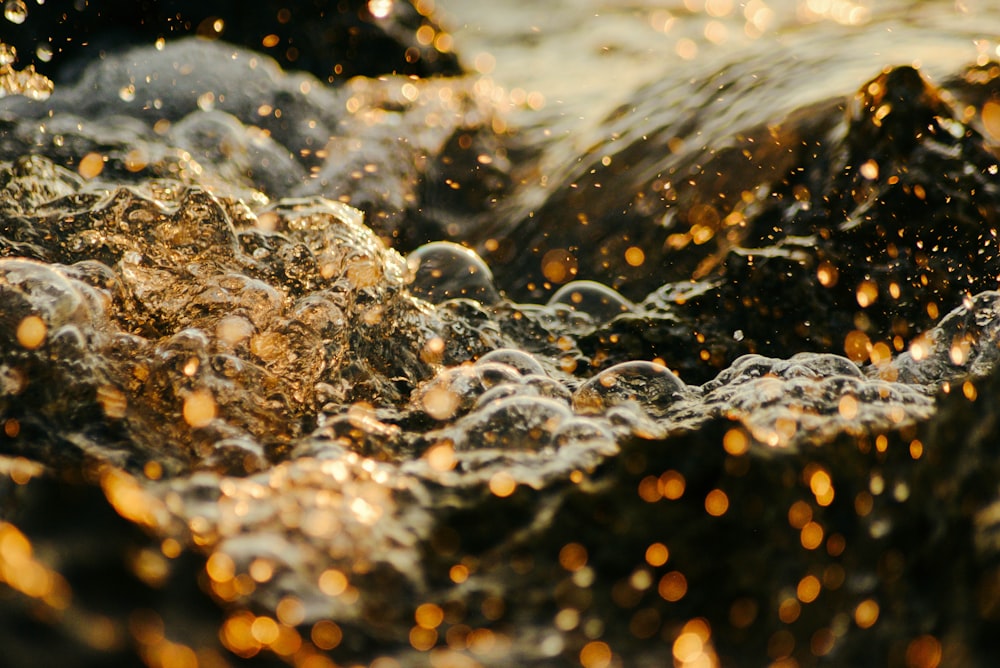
(668, 334)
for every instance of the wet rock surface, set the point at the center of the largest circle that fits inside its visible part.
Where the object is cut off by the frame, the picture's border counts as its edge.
(258, 407)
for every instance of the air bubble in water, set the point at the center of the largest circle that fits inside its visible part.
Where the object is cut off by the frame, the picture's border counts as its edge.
(650, 385)
(518, 359)
(444, 270)
(595, 299)
(15, 11)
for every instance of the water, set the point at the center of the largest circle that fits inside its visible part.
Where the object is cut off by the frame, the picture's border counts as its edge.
(585, 58)
(765, 436)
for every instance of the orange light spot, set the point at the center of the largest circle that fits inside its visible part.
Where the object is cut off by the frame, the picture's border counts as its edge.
(649, 489)
(458, 573)
(332, 582)
(822, 486)
(429, 615)
(827, 274)
(799, 514)
(923, 652)
(811, 536)
(31, 332)
(559, 265)
(735, 442)
(502, 484)
(848, 407)
(634, 256)
(199, 409)
(326, 635)
(867, 293)
(672, 485)
(857, 346)
(808, 589)
(869, 170)
(789, 610)
(573, 557)
(595, 654)
(991, 119)
(91, 165)
(866, 614)
(716, 503)
(657, 554)
(220, 567)
(423, 639)
(441, 456)
(673, 586)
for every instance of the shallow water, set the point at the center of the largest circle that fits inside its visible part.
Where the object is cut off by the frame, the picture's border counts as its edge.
(347, 446)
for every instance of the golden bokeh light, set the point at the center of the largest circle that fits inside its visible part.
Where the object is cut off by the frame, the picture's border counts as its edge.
(502, 484)
(672, 485)
(736, 442)
(657, 554)
(808, 589)
(673, 586)
(811, 536)
(573, 557)
(866, 614)
(716, 503)
(595, 654)
(31, 332)
(924, 652)
(199, 409)
(91, 165)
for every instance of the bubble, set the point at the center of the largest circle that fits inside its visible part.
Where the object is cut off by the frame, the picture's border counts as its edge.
(595, 299)
(547, 387)
(520, 360)
(652, 386)
(577, 431)
(443, 270)
(52, 296)
(512, 423)
(454, 391)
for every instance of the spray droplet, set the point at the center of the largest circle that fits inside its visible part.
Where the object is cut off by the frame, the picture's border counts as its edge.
(15, 11)
(8, 55)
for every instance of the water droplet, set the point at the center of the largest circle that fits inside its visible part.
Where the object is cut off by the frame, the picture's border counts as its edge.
(15, 11)
(8, 55)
